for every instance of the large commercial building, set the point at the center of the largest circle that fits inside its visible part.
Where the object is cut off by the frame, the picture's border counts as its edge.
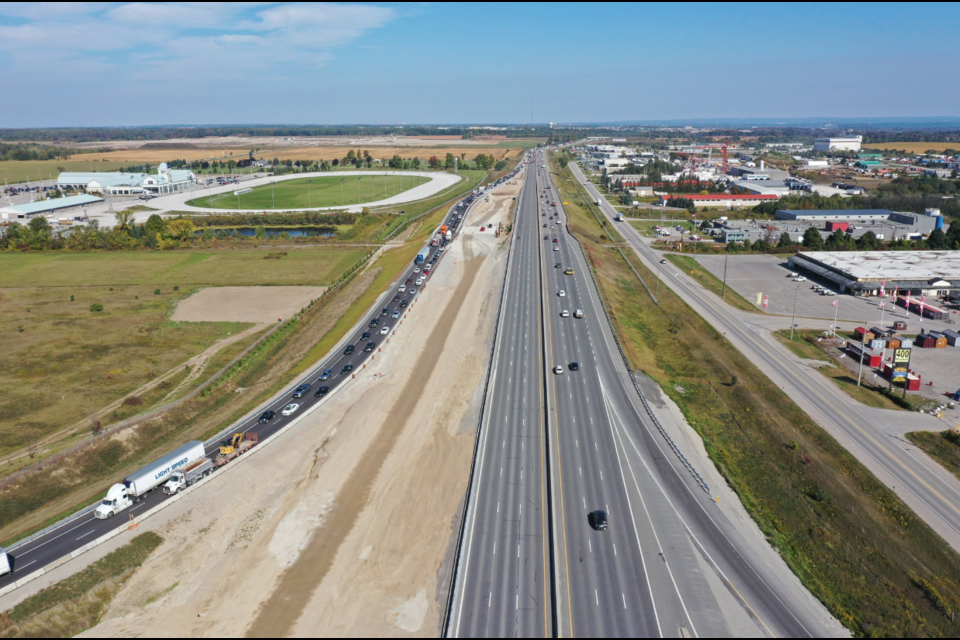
(838, 144)
(46, 207)
(165, 181)
(861, 273)
(719, 199)
(840, 215)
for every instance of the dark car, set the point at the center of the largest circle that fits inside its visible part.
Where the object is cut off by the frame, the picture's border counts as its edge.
(346, 369)
(409, 280)
(556, 266)
(266, 416)
(396, 297)
(322, 391)
(350, 349)
(546, 237)
(385, 312)
(598, 520)
(403, 303)
(365, 336)
(370, 346)
(326, 374)
(374, 322)
(300, 391)
(574, 366)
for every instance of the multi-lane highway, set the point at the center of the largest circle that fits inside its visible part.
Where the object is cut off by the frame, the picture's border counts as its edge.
(41, 550)
(923, 484)
(644, 574)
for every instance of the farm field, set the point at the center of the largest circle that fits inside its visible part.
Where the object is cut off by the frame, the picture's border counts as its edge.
(15, 171)
(64, 362)
(913, 147)
(327, 191)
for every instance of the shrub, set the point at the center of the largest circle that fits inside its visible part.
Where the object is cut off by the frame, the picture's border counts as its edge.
(72, 298)
(96, 307)
(156, 292)
(133, 401)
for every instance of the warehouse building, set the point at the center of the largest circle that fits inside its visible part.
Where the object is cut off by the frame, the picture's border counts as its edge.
(46, 207)
(165, 181)
(838, 144)
(839, 215)
(861, 273)
(726, 200)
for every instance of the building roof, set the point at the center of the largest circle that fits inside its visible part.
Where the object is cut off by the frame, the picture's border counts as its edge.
(832, 213)
(920, 266)
(48, 206)
(721, 196)
(103, 178)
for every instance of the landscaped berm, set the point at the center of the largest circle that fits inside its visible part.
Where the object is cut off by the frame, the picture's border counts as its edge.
(311, 193)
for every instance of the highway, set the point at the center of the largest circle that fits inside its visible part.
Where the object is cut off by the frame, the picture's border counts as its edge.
(40, 550)
(931, 491)
(643, 576)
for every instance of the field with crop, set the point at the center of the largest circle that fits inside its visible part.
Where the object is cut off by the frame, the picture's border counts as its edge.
(326, 191)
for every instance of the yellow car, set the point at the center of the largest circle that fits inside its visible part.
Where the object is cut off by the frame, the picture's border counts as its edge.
(569, 272)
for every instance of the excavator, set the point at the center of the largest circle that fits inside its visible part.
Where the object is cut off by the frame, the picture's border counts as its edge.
(226, 448)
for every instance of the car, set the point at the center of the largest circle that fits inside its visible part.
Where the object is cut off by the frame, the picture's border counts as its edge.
(556, 266)
(568, 271)
(385, 312)
(544, 225)
(374, 322)
(370, 347)
(385, 331)
(558, 370)
(663, 261)
(365, 336)
(266, 416)
(564, 314)
(546, 237)
(290, 409)
(416, 269)
(325, 375)
(396, 314)
(574, 366)
(409, 280)
(555, 240)
(557, 248)
(578, 313)
(350, 349)
(396, 297)
(562, 293)
(403, 288)
(300, 391)
(413, 291)
(403, 303)
(322, 391)
(598, 519)
(347, 368)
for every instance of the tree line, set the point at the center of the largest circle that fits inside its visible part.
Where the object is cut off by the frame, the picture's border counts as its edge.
(20, 151)
(908, 202)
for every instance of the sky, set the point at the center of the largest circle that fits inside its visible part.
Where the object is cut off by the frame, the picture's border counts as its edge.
(140, 63)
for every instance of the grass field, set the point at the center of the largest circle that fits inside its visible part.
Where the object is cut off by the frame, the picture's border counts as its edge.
(327, 191)
(859, 549)
(313, 266)
(943, 446)
(75, 604)
(709, 281)
(12, 171)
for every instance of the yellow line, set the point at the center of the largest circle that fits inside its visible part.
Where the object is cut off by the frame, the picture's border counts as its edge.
(732, 586)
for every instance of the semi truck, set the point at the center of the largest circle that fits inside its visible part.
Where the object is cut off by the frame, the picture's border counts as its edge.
(4, 563)
(141, 482)
(239, 444)
(423, 254)
(449, 236)
(183, 478)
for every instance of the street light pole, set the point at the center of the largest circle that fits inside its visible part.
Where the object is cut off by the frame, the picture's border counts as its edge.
(724, 294)
(341, 192)
(273, 198)
(793, 323)
(309, 199)
(863, 349)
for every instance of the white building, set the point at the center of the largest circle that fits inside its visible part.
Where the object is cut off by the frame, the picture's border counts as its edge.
(838, 144)
(817, 164)
(165, 181)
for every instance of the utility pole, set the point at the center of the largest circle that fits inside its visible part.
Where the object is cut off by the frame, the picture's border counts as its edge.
(309, 199)
(793, 322)
(724, 294)
(863, 349)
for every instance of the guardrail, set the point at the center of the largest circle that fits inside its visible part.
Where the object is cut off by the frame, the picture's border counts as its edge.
(468, 503)
(633, 378)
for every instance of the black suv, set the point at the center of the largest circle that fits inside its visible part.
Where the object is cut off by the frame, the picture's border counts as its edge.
(266, 416)
(346, 369)
(365, 336)
(370, 346)
(322, 391)
(574, 366)
(350, 348)
(385, 312)
(300, 391)
(374, 322)
(598, 520)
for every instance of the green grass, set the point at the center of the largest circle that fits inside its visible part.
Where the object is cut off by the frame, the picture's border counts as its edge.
(307, 266)
(850, 540)
(710, 282)
(77, 603)
(326, 191)
(943, 446)
(20, 171)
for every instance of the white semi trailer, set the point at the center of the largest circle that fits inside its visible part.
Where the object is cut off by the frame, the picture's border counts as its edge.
(135, 486)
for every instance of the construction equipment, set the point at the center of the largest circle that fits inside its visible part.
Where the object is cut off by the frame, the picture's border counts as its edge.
(237, 445)
(228, 448)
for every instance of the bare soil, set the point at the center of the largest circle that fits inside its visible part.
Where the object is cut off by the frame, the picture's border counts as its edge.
(342, 525)
(245, 304)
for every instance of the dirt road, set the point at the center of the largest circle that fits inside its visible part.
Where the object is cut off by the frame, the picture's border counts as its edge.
(340, 527)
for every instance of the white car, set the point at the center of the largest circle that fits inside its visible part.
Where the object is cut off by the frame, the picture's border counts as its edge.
(558, 370)
(290, 409)
(564, 314)
(416, 269)
(384, 331)
(556, 248)
(402, 288)
(562, 293)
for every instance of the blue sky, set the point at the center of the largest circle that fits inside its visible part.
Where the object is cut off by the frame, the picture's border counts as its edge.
(87, 64)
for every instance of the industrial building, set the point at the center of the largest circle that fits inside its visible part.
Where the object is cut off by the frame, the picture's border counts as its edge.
(861, 273)
(165, 181)
(840, 215)
(44, 207)
(838, 144)
(719, 199)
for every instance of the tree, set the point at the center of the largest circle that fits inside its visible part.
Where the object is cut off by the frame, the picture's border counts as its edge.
(96, 307)
(125, 221)
(953, 236)
(449, 161)
(181, 229)
(626, 198)
(433, 162)
(785, 240)
(868, 242)
(812, 240)
(937, 239)
(155, 225)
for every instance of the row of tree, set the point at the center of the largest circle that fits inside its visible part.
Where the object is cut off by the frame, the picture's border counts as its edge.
(911, 202)
(26, 151)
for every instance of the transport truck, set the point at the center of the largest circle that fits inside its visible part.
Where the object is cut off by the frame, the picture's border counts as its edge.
(4, 563)
(449, 236)
(141, 482)
(423, 254)
(618, 217)
(183, 478)
(238, 445)
(596, 201)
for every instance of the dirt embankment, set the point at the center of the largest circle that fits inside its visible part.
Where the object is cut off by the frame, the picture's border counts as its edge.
(340, 527)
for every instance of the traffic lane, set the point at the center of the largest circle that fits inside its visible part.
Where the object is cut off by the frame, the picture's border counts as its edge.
(58, 543)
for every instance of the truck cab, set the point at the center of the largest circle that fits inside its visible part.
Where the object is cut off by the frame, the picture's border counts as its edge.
(116, 501)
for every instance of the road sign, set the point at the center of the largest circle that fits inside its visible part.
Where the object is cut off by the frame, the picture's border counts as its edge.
(901, 364)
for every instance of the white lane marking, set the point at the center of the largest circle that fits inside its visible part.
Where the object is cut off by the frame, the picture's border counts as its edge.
(624, 599)
(501, 472)
(45, 542)
(518, 601)
(581, 471)
(85, 534)
(590, 546)
(490, 600)
(495, 547)
(601, 475)
(584, 503)
(498, 506)
(597, 596)
(595, 447)
(614, 548)
(26, 565)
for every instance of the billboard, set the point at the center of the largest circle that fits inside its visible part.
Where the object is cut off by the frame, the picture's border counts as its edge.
(901, 364)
